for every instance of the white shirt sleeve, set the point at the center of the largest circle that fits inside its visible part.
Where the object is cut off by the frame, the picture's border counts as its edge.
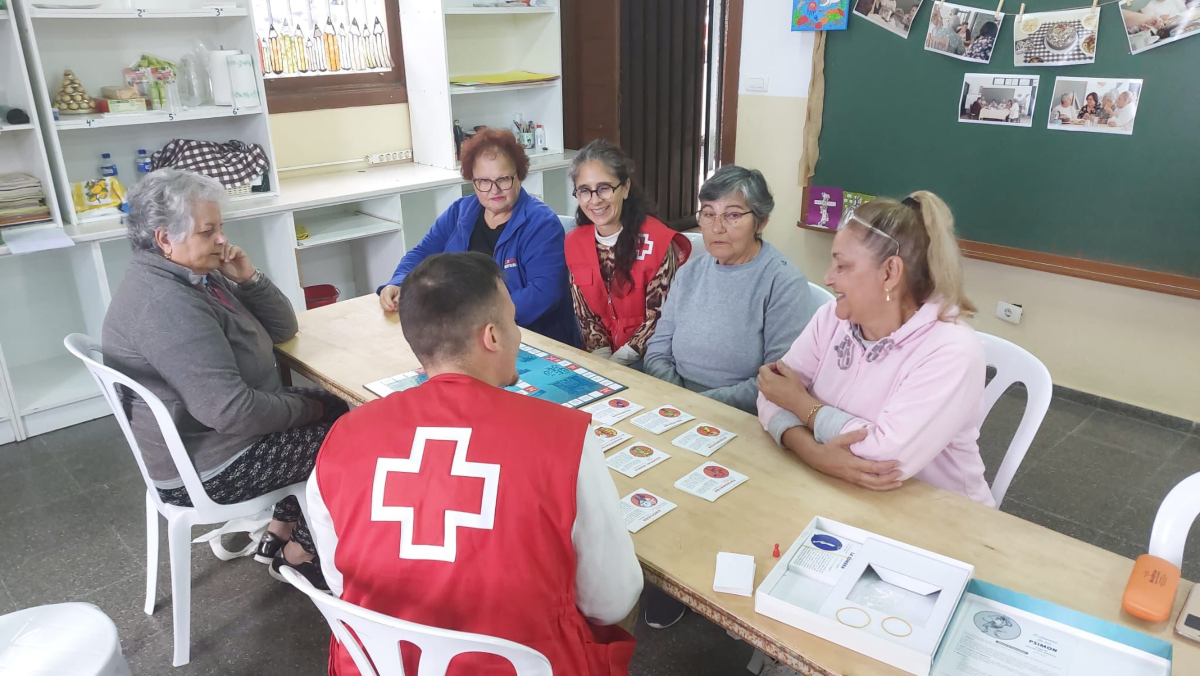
(320, 525)
(608, 577)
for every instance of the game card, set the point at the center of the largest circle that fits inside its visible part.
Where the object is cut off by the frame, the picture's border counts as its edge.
(609, 436)
(710, 481)
(635, 459)
(612, 411)
(704, 439)
(642, 507)
(662, 419)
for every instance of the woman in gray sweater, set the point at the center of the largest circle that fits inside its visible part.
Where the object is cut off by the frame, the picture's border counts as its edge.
(195, 322)
(735, 308)
(730, 310)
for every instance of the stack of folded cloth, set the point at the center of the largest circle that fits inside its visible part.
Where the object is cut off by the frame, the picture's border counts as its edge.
(21, 200)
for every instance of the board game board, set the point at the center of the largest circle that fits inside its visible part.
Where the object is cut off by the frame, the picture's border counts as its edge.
(542, 375)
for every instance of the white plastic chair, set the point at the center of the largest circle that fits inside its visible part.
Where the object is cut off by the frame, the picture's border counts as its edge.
(1014, 364)
(179, 519)
(821, 294)
(64, 639)
(381, 634)
(697, 242)
(568, 223)
(1174, 520)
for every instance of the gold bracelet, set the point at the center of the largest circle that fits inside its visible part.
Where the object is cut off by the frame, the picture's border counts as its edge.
(812, 414)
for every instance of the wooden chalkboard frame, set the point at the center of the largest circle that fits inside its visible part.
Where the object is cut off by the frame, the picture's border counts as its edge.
(1133, 276)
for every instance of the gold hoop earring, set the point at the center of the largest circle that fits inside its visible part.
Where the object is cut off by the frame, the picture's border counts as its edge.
(893, 633)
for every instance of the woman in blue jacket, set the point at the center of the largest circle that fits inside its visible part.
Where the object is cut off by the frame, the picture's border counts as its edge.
(523, 235)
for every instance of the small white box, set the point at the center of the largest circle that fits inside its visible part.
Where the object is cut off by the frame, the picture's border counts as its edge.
(735, 574)
(879, 597)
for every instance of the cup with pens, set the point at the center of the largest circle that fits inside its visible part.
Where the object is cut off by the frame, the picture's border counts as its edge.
(525, 134)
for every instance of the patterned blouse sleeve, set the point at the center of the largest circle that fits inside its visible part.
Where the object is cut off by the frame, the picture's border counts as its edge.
(656, 295)
(591, 327)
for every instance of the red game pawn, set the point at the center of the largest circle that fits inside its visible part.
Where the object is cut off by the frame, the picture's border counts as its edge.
(775, 552)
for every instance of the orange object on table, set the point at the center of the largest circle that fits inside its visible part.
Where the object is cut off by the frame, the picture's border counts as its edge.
(1150, 592)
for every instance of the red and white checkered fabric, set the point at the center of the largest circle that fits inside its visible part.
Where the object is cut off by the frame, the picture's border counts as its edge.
(233, 164)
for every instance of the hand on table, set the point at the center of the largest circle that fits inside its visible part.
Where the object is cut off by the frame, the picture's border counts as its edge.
(782, 387)
(836, 459)
(389, 298)
(316, 411)
(235, 264)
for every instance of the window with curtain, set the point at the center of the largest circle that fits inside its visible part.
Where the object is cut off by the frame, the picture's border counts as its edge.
(329, 53)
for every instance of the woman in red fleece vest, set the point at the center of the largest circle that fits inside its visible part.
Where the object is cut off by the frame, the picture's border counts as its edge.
(621, 259)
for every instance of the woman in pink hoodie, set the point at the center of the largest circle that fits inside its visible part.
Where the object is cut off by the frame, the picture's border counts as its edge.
(886, 383)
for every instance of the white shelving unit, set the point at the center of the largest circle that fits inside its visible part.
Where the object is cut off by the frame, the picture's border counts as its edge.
(97, 45)
(22, 148)
(453, 38)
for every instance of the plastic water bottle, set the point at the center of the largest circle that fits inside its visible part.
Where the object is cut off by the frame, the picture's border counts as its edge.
(107, 166)
(540, 138)
(143, 164)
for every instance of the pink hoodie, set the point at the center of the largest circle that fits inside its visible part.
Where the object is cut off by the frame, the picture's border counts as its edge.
(919, 393)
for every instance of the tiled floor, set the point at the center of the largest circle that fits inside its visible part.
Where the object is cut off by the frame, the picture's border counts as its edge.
(73, 527)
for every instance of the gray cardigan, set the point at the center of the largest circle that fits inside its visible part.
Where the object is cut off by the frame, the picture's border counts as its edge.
(721, 323)
(212, 365)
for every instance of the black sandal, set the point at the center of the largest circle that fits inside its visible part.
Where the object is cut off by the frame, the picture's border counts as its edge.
(269, 545)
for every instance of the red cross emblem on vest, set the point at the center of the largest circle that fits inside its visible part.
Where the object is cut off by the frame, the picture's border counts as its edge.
(647, 247)
(428, 472)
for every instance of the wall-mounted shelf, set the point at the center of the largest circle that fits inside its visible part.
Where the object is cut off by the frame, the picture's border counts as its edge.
(452, 11)
(459, 90)
(4, 127)
(68, 122)
(213, 13)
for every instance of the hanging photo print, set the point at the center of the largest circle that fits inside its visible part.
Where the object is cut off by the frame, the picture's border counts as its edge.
(895, 15)
(1098, 106)
(1154, 23)
(965, 33)
(1065, 38)
(988, 98)
(820, 15)
(298, 38)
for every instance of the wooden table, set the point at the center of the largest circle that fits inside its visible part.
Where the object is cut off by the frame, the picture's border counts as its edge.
(346, 345)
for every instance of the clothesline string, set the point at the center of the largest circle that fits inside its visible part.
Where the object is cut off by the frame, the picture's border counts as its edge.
(1097, 7)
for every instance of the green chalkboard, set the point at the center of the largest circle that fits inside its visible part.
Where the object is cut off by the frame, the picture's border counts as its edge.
(891, 126)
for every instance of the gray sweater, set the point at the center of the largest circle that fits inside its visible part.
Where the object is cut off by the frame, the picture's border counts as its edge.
(211, 364)
(721, 323)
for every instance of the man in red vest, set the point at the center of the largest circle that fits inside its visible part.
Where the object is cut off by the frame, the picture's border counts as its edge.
(460, 505)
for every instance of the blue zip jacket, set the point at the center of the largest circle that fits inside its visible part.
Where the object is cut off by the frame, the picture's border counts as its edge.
(530, 252)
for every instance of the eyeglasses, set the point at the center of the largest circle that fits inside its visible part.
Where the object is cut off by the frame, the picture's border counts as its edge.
(730, 219)
(485, 184)
(851, 217)
(603, 191)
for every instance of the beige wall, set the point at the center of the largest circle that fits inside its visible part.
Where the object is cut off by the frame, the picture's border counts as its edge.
(1133, 346)
(319, 136)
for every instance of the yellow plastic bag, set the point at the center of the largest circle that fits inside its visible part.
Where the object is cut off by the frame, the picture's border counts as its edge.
(98, 193)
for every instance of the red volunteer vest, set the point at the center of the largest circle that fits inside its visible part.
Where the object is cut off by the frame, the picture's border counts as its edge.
(508, 465)
(621, 314)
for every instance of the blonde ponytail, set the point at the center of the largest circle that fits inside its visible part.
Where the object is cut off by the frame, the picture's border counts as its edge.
(944, 258)
(920, 230)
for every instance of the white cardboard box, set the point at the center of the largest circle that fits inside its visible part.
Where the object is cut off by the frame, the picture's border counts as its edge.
(856, 603)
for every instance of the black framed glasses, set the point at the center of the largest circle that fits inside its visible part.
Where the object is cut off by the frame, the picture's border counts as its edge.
(485, 184)
(602, 190)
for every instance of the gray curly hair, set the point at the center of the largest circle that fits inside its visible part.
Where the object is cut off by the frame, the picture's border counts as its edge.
(164, 199)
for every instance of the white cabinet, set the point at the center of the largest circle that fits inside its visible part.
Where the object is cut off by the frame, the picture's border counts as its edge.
(97, 45)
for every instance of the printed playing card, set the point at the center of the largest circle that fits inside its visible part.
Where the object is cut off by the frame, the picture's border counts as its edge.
(642, 507)
(635, 459)
(609, 436)
(704, 439)
(662, 419)
(612, 411)
(710, 481)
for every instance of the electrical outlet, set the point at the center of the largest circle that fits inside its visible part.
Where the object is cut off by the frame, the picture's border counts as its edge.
(395, 156)
(1009, 312)
(756, 84)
